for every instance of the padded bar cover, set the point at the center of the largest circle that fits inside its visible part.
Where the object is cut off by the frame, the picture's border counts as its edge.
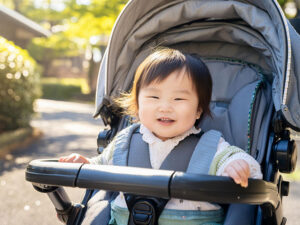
(222, 189)
(53, 173)
(150, 182)
(134, 180)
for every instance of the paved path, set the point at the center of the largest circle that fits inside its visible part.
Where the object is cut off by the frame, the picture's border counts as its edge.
(68, 127)
(291, 203)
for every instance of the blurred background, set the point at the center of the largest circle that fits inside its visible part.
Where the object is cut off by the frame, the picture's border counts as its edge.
(65, 39)
(52, 49)
(50, 53)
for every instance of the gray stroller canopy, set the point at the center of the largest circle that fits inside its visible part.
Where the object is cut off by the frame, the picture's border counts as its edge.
(253, 31)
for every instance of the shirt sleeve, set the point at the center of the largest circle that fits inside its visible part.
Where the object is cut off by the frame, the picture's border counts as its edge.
(227, 153)
(105, 158)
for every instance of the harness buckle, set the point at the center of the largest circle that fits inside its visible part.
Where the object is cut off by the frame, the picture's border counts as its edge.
(103, 139)
(144, 210)
(143, 213)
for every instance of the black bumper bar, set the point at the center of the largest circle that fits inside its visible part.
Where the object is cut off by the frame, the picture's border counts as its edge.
(150, 182)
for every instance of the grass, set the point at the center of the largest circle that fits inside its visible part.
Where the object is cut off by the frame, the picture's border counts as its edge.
(295, 176)
(68, 89)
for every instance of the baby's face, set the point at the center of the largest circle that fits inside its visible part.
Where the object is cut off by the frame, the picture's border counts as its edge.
(169, 108)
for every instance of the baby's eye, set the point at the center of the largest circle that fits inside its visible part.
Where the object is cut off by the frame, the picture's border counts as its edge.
(152, 96)
(179, 99)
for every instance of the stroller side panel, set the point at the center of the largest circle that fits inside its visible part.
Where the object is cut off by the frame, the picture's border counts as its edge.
(292, 113)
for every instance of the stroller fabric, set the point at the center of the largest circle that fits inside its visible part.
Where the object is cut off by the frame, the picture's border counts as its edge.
(251, 31)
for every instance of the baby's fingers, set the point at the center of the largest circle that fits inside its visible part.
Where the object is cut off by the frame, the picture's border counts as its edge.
(74, 158)
(239, 170)
(243, 170)
(69, 158)
(230, 170)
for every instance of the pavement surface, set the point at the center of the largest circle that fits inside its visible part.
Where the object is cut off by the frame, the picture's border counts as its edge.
(67, 127)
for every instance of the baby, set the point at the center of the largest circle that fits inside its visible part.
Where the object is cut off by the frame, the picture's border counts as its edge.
(171, 93)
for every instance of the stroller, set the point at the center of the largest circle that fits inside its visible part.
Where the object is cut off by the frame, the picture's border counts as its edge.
(253, 55)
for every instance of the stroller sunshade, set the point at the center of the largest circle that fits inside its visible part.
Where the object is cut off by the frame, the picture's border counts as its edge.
(251, 31)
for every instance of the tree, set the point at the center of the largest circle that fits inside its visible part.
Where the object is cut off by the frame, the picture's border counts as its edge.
(73, 22)
(290, 7)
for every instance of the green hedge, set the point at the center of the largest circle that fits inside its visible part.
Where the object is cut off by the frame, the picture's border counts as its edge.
(19, 86)
(66, 89)
(60, 91)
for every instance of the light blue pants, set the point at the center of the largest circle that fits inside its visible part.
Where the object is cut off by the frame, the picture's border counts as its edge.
(119, 216)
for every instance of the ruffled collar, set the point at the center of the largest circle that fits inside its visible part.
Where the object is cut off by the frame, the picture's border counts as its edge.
(150, 138)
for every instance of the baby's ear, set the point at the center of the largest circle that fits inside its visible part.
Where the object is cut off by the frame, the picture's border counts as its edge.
(199, 113)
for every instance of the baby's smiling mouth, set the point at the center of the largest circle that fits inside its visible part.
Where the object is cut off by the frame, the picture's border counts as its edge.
(165, 120)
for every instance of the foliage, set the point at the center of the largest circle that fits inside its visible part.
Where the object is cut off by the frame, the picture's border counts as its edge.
(281, 2)
(19, 86)
(290, 7)
(63, 88)
(72, 26)
(81, 82)
(60, 91)
(56, 46)
(72, 23)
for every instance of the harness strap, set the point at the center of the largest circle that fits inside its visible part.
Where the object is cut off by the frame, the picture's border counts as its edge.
(138, 155)
(122, 145)
(204, 152)
(178, 159)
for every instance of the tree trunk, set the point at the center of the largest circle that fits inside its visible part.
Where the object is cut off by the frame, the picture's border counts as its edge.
(17, 5)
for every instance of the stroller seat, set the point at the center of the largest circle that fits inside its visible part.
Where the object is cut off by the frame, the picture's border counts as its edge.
(241, 105)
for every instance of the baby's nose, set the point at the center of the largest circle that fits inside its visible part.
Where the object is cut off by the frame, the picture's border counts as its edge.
(165, 107)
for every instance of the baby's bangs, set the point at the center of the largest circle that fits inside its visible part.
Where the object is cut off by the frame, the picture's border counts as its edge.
(161, 65)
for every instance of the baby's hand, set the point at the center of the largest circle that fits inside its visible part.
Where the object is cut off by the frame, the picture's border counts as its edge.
(239, 171)
(74, 158)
